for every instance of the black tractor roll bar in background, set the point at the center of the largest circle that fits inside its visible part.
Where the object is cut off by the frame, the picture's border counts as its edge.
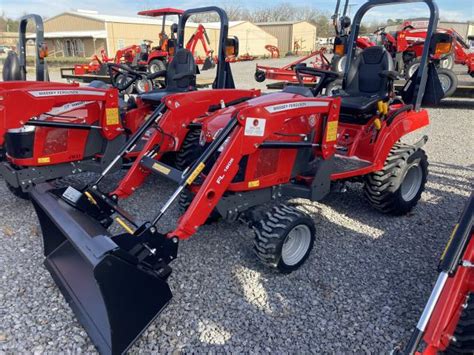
(39, 42)
(223, 73)
(420, 80)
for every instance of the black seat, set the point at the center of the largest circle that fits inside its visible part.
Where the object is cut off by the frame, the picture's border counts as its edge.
(365, 85)
(180, 77)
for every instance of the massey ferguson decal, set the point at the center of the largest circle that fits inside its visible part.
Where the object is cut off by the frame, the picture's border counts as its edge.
(295, 105)
(67, 107)
(49, 93)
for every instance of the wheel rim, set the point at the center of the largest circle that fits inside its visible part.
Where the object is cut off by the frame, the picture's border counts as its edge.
(332, 90)
(446, 63)
(341, 64)
(445, 82)
(413, 69)
(412, 182)
(296, 245)
(153, 68)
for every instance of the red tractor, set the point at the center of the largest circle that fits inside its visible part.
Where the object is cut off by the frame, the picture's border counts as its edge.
(252, 155)
(411, 44)
(140, 57)
(446, 324)
(65, 129)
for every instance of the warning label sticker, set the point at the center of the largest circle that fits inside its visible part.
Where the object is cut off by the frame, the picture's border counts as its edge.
(112, 116)
(255, 127)
(331, 133)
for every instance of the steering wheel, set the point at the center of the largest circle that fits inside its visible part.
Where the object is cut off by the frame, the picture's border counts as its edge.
(326, 76)
(122, 76)
(408, 27)
(379, 30)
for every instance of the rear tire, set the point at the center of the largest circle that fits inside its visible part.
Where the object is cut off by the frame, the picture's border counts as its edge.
(156, 65)
(397, 188)
(449, 81)
(284, 238)
(333, 87)
(338, 64)
(411, 67)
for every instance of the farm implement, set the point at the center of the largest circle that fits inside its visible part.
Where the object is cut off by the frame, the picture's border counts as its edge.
(65, 129)
(252, 154)
(447, 322)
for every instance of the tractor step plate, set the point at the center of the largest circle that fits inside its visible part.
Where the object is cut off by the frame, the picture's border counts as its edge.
(344, 164)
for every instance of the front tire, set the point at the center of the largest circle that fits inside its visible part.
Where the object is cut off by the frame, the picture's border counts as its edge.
(284, 238)
(397, 188)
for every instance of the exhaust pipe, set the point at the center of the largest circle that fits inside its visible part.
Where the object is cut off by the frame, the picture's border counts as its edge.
(114, 285)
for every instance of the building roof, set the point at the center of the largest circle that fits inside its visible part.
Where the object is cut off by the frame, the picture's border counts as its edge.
(217, 25)
(142, 20)
(274, 23)
(73, 34)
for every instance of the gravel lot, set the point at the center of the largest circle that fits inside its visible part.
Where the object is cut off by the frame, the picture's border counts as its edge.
(362, 289)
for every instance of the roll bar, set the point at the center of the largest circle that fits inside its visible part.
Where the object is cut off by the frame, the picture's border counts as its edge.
(223, 73)
(39, 30)
(420, 80)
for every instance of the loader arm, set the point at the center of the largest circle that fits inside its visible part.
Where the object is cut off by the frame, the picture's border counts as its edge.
(182, 110)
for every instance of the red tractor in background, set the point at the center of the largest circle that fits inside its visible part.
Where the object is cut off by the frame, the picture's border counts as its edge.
(409, 41)
(447, 322)
(65, 129)
(251, 155)
(140, 57)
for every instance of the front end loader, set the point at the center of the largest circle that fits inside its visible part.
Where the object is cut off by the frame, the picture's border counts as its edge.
(256, 154)
(447, 322)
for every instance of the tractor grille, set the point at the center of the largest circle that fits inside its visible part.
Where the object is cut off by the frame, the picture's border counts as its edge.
(56, 141)
(267, 162)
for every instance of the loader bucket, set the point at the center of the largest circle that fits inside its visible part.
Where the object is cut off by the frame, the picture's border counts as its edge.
(114, 298)
(208, 64)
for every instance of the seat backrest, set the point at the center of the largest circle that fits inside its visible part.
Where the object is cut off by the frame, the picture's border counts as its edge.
(11, 68)
(182, 62)
(363, 78)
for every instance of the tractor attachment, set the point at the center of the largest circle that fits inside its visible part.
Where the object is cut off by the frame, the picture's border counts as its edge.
(116, 286)
(446, 324)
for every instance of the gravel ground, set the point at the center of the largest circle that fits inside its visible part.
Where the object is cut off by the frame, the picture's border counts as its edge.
(361, 290)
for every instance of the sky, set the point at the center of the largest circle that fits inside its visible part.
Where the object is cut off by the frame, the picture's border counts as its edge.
(454, 10)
